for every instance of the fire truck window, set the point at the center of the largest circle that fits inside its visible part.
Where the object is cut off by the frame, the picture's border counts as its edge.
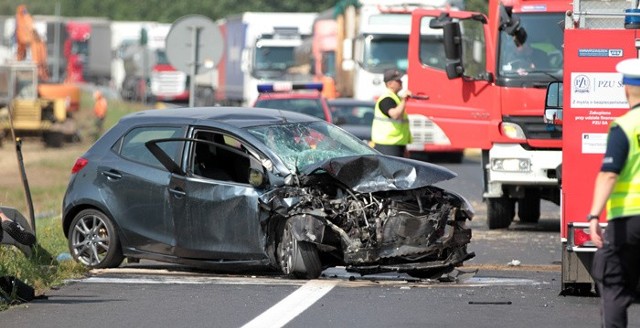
(432, 51)
(473, 47)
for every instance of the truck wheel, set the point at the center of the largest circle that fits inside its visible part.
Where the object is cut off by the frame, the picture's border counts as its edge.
(53, 139)
(500, 212)
(529, 207)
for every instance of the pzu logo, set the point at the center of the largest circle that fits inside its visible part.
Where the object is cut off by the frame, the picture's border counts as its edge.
(615, 52)
(581, 83)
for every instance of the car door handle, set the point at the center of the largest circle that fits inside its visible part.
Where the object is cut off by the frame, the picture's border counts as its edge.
(178, 193)
(113, 175)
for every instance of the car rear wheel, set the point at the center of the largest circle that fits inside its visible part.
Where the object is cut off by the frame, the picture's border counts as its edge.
(297, 259)
(500, 212)
(93, 240)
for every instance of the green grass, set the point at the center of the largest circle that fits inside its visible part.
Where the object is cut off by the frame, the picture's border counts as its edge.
(42, 271)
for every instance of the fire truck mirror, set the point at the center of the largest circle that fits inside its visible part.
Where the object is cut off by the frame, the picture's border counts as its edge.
(553, 104)
(453, 49)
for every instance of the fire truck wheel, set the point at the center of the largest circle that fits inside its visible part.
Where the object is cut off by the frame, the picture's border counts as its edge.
(500, 212)
(529, 207)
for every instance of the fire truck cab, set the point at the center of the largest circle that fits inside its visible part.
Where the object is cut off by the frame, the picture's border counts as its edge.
(482, 82)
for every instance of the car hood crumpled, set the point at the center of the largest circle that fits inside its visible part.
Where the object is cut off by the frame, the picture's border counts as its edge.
(372, 173)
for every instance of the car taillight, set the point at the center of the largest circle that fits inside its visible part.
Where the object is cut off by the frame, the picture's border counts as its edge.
(581, 237)
(79, 165)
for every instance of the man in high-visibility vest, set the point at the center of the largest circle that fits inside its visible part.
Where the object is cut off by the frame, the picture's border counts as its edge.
(390, 128)
(616, 263)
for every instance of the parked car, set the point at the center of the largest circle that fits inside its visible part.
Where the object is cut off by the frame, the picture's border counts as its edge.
(237, 189)
(305, 98)
(353, 115)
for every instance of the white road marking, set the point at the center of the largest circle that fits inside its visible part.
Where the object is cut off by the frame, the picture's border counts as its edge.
(292, 305)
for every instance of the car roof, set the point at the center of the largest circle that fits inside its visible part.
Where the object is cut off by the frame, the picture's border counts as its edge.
(238, 117)
(307, 94)
(350, 102)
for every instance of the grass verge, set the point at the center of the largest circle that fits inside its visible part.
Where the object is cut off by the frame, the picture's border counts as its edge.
(48, 171)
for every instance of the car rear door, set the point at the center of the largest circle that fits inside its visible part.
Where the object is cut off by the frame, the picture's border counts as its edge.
(134, 185)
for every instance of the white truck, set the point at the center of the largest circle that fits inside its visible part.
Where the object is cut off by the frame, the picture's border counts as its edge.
(371, 39)
(260, 47)
(148, 74)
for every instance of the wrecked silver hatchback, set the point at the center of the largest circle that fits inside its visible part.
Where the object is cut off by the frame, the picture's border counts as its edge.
(238, 189)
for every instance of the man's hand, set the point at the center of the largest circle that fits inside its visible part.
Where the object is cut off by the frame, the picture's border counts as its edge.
(596, 233)
(407, 95)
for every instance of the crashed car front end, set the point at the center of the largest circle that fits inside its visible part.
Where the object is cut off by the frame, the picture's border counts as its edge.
(378, 213)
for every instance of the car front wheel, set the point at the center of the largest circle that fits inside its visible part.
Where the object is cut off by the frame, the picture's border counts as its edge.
(297, 259)
(93, 240)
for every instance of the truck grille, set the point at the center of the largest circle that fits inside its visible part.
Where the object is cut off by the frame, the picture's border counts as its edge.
(168, 83)
(422, 130)
(535, 128)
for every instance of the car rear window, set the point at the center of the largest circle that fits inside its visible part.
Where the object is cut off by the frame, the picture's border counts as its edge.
(133, 147)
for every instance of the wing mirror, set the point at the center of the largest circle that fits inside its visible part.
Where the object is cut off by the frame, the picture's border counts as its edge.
(553, 104)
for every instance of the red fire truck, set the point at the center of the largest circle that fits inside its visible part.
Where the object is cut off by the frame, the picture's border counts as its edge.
(593, 96)
(482, 81)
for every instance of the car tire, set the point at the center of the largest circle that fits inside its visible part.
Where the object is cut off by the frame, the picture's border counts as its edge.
(500, 212)
(93, 240)
(529, 207)
(297, 259)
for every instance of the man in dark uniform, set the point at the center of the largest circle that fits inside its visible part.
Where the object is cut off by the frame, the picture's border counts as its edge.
(616, 264)
(390, 128)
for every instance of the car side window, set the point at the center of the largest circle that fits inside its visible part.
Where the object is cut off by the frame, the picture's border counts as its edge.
(223, 158)
(133, 147)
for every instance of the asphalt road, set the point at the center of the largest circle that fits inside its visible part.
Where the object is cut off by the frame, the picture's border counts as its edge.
(514, 281)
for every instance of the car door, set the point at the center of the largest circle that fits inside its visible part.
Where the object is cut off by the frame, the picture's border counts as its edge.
(464, 107)
(216, 214)
(135, 184)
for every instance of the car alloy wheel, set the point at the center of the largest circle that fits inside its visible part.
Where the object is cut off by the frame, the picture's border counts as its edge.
(93, 240)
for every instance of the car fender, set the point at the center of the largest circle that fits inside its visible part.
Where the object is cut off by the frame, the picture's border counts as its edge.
(307, 228)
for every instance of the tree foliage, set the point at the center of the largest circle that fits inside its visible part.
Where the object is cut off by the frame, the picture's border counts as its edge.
(167, 11)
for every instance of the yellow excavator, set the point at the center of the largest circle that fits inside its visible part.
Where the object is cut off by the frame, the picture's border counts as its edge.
(29, 106)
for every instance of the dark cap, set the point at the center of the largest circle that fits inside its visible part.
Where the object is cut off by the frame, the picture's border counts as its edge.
(392, 75)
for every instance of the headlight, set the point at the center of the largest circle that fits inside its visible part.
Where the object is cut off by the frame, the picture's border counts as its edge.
(512, 130)
(511, 164)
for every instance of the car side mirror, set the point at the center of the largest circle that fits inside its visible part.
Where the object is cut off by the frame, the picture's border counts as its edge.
(553, 104)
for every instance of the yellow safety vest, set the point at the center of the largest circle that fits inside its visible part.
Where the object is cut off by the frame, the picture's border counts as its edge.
(625, 197)
(387, 131)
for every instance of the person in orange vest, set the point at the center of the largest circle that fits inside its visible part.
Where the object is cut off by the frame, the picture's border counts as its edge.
(100, 111)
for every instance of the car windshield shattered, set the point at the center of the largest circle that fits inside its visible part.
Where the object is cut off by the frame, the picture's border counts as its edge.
(302, 144)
